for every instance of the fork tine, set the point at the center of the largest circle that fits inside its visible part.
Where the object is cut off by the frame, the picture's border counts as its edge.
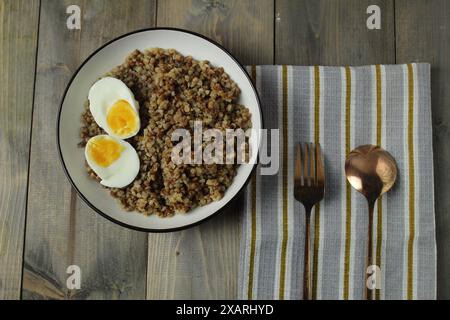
(312, 164)
(298, 164)
(315, 163)
(319, 165)
(305, 154)
(308, 165)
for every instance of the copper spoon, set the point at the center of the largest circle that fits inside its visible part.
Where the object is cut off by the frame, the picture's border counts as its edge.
(372, 171)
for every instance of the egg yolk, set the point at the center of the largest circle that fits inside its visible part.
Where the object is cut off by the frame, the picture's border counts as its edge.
(121, 118)
(104, 151)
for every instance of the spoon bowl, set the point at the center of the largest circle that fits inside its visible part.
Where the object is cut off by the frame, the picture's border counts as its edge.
(371, 170)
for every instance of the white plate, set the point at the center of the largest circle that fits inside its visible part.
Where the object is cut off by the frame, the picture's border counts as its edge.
(103, 60)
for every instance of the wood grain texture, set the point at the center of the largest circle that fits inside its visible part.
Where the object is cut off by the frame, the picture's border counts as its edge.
(18, 42)
(61, 229)
(313, 32)
(244, 27)
(423, 33)
(202, 262)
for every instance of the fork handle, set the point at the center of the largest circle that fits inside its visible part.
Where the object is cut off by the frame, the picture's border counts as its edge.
(306, 267)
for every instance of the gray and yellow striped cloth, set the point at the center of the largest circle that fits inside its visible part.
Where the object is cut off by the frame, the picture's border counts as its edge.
(343, 107)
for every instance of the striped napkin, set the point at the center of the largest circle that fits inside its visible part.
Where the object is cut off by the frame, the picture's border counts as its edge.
(342, 108)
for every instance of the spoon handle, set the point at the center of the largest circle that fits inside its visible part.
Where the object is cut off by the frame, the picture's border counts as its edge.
(369, 261)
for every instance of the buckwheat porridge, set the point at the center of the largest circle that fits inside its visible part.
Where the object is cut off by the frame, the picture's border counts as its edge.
(173, 91)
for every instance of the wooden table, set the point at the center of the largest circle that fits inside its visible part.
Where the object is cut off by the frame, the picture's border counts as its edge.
(45, 227)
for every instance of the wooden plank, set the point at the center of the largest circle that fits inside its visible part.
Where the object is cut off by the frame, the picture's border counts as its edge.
(311, 32)
(18, 43)
(61, 229)
(202, 262)
(423, 33)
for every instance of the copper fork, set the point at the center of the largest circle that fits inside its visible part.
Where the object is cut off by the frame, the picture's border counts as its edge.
(309, 186)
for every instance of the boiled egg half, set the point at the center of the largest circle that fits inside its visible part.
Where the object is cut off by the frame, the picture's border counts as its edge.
(114, 108)
(115, 161)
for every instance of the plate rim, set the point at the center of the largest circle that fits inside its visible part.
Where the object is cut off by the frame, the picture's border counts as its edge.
(103, 214)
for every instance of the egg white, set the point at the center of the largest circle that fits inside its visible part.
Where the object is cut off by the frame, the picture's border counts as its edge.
(104, 94)
(121, 172)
